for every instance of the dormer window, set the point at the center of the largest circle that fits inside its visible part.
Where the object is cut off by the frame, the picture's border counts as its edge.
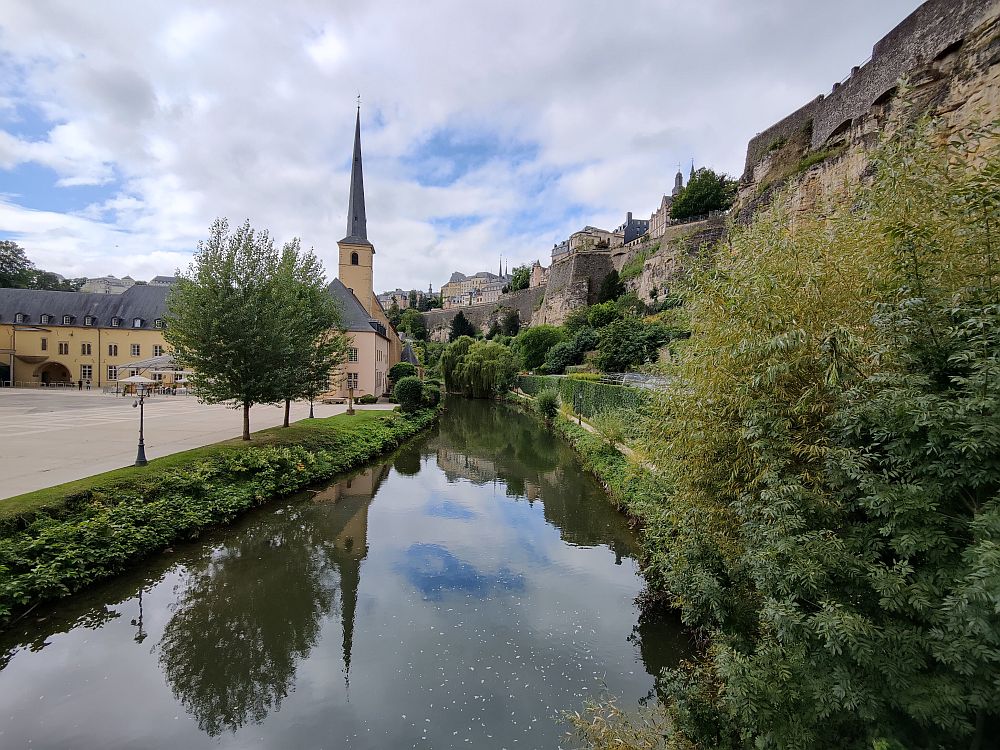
(67, 319)
(158, 323)
(88, 320)
(45, 319)
(137, 322)
(116, 322)
(19, 317)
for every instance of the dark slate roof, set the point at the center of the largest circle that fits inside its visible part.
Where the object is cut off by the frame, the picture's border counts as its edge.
(164, 279)
(353, 315)
(357, 224)
(145, 302)
(408, 355)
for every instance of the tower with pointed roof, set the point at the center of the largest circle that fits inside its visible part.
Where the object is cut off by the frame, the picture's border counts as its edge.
(357, 254)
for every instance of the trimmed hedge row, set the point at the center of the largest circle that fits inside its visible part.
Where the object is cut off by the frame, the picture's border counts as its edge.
(101, 530)
(586, 398)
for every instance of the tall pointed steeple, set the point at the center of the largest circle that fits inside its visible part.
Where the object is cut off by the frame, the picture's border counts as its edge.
(357, 224)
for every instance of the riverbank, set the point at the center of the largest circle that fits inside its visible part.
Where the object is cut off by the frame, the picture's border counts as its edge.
(56, 541)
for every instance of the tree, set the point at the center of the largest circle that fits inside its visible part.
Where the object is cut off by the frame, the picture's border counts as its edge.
(460, 326)
(15, 268)
(706, 191)
(534, 343)
(412, 323)
(611, 287)
(520, 279)
(401, 370)
(628, 343)
(561, 356)
(600, 315)
(409, 393)
(478, 369)
(313, 326)
(510, 323)
(412, 298)
(227, 320)
(494, 330)
(394, 314)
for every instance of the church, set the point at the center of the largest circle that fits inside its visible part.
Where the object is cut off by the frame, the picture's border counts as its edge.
(375, 346)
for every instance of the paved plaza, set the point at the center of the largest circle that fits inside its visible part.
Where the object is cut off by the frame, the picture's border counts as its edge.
(54, 436)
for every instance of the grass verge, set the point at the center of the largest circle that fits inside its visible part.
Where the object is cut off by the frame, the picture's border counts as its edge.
(55, 541)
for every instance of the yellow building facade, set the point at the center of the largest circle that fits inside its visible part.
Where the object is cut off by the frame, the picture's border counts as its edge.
(62, 338)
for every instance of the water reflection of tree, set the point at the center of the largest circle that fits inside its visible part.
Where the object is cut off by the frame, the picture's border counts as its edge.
(483, 442)
(254, 610)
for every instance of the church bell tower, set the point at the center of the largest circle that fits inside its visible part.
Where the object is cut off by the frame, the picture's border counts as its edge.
(356, 252)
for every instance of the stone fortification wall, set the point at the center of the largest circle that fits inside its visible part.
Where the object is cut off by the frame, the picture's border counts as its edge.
(573, 282)
(525, 301)
(933, 28)
(661, 268)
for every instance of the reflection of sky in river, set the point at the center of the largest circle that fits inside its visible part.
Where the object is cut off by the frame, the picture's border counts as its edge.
(475, 624)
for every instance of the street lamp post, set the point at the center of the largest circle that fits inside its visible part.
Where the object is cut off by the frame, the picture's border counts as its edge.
(140, 458)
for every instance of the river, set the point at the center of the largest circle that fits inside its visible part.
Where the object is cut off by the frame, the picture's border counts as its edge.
(461, 593)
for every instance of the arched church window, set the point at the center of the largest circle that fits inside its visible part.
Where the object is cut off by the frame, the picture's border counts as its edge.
(354, 259)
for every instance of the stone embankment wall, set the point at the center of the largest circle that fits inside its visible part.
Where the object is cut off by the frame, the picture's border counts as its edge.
(661, 268)
(930, 31)
(573, 282)
(958, 85)
(525, 301)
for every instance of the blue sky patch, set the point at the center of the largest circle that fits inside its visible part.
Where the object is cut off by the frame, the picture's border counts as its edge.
(436, 572)
(450, 153)
(449, 509)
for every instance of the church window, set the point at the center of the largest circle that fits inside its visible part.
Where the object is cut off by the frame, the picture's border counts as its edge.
(354, 259)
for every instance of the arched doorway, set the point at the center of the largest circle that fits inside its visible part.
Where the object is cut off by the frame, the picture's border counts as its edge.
(53, 372)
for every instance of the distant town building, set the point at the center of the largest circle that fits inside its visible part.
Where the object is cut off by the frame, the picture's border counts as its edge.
(539, 275)
(588, 238)
(108, 285)
(632, 229)
(402, 297)
(482, 287)
(163, 281)
(660, 218)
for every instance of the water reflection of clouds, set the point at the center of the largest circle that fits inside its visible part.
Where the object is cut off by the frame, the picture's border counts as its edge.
(450, 509)
(434, 571)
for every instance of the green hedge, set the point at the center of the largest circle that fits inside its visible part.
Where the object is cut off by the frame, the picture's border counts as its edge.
(585, 397)
(104, 524)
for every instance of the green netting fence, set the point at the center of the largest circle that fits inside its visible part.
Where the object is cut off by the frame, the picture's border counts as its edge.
(586, 397)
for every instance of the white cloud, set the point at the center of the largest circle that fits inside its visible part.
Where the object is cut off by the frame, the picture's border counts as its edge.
(246, 111)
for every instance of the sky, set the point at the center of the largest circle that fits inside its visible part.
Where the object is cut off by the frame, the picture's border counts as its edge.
(489, 128)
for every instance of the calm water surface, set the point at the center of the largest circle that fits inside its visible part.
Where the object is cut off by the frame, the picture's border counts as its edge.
(460, 595)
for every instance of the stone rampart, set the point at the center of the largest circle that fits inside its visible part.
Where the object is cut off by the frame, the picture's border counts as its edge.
(933, 28)
(573, 282)
(525, 301)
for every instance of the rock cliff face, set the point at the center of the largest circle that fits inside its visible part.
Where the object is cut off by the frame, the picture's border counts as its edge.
(951, 73)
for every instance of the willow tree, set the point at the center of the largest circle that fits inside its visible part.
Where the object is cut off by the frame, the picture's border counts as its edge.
(229, 319)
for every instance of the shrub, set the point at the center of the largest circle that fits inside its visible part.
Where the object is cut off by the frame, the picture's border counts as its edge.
(401, 370)
(510, 323)
(601, 315)
(628, 343)
(547, 404)
(368, 398)
(534, 343)
(560, 357)
(409, 393)
(431, 395)
(576, 319)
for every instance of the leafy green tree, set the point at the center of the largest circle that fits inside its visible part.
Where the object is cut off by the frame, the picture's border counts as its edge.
(409, 393)
(460, 326)
(706, 191)
(486, 370)
(451, 358)
(494, 330)
(629, 343)
(510, 323)
(602, 314)
(576, 319)
(547, 404)
(412, 323)
(611, 288)
(15, 268)
(226, 320)
(313, 330)
(532, 344)
(561, 356)
(520, 279)
(412, 299)
(394, 314)
(401, 370)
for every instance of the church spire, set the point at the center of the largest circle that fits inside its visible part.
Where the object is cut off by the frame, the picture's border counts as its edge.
(357, 225)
